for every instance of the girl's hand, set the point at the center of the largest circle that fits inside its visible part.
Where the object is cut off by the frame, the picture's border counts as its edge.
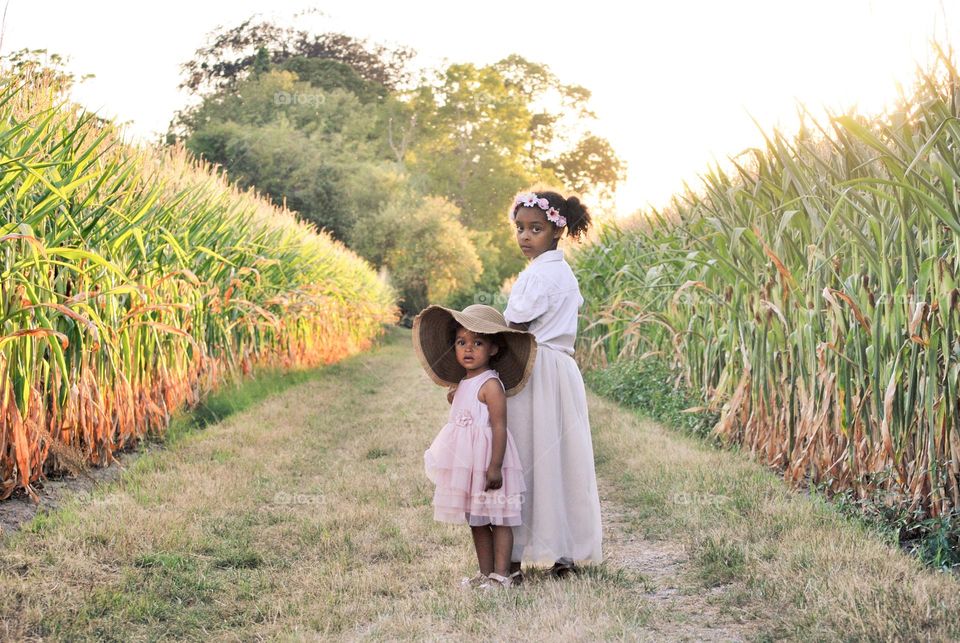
(453, 389)
(494, 478)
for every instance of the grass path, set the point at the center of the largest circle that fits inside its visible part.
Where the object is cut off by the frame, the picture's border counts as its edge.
(307, 516)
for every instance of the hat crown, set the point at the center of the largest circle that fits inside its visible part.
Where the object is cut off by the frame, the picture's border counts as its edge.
(485, 313)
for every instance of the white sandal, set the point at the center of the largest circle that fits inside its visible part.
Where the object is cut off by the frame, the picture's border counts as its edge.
(496, 581)
(478, 580)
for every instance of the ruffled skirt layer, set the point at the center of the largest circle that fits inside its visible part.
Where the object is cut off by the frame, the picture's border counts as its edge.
(457, 462)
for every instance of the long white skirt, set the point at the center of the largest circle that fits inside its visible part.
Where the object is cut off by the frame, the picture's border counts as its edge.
(560, 515)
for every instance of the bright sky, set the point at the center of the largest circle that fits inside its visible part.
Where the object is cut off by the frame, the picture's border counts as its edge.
(674, 83)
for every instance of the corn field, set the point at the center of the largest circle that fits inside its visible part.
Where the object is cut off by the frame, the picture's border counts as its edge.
(134, 281)
(810, 295)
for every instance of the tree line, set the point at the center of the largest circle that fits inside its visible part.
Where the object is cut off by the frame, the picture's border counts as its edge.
(413, 174)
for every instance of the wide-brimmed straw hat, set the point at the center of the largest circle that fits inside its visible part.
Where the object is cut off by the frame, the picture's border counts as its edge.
(433, 342)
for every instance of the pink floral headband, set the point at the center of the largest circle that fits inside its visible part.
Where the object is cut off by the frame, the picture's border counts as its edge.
(531, 200)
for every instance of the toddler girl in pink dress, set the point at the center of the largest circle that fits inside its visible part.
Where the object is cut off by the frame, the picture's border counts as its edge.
(473, 460)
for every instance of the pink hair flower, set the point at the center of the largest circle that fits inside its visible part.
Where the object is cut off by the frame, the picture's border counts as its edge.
(531, 200)
(554, 215)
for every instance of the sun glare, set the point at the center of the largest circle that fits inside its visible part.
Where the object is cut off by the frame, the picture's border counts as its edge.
(710, 99)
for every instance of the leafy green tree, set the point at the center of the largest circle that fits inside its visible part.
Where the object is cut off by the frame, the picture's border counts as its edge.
(555, 108)
(321, 152)
(429, 255)
(483, 133)
(323, 124)
(591, 166)
(280, 161)
(469, 149)
(330, 75)
(234, 53)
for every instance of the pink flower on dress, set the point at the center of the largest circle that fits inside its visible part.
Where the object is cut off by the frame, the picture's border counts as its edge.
(463, 418)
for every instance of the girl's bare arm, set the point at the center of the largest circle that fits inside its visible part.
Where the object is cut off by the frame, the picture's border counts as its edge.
(491, 394)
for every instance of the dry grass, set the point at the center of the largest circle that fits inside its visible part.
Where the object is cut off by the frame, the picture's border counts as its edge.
(790, 559)
(307, 516)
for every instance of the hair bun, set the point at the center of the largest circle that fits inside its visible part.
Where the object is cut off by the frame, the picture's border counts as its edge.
(574, 206)
(578, 219)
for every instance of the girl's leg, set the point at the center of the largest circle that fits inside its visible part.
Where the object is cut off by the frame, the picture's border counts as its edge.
(502, 548)
(483, 543)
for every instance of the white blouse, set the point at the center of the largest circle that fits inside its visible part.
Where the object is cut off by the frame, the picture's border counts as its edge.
(547, 294)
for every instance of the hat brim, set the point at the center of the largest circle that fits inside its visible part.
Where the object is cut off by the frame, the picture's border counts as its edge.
(434, 348)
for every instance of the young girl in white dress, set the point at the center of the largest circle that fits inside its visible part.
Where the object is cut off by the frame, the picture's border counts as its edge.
(548, 418)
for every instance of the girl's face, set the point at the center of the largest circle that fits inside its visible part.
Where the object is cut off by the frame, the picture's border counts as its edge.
(535, 235)
(473, 350)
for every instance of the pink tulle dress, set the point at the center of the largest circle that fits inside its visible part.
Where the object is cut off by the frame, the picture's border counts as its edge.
(457, 461)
